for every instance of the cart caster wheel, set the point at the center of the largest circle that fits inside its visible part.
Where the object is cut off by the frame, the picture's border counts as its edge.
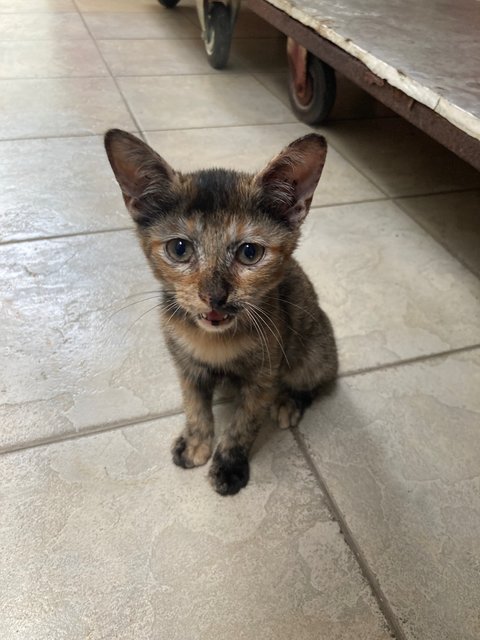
(168, 4)
(218, 35)
(318, 97)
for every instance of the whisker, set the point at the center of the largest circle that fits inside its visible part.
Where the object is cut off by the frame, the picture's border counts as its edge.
(130, 305)
(141, 293)
(262, 337)
(289, 326)
(139, 318)
(267, 326)
(175, 308)
(292, 304)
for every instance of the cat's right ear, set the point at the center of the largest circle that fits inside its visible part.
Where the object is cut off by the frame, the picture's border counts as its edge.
(146, 180)
(289, 180)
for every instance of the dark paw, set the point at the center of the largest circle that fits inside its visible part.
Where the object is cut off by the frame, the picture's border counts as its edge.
(178, 453)
(229, 471)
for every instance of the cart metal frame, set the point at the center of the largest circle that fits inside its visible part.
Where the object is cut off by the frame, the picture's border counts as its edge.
(438, 127)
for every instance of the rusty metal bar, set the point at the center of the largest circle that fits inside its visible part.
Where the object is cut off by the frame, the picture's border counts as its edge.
(437, 127)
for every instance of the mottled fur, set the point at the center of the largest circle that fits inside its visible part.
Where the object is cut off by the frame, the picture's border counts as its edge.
(277, 345)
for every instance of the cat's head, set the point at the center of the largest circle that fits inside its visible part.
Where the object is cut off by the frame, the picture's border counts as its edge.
(218, 240)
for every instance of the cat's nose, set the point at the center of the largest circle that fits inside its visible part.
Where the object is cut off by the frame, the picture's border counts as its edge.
(215, 297)
(218, 299)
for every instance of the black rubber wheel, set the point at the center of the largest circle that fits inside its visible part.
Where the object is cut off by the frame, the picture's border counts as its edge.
(168, 4)
(322, 89)
(219, 35)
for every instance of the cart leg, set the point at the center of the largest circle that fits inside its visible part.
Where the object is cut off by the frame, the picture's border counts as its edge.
(311, 84)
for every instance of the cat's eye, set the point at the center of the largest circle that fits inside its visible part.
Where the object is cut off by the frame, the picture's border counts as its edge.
(179, 249)
(250, 253)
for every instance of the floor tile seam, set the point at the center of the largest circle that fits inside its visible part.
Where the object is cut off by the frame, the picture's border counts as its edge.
(446, 192)
(57, 136)
(51, 77)
(220, 126)
(333, 146)
(182, 38)
(99, 429)
(349, 203)
(112, 76)
(330, 121)
(182, 74)
(62, 236)
(62, 78)
(357, 167)
(85, 433)
(35, 13)
(61, 39)
(383, 602)
(393, 197)
(75, 12)
(143, 38)
(104, 428)
(456, 256)
(215, 73)
(409, 361)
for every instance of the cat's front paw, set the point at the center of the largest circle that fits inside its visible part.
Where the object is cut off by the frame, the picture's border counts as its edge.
(229, 471)
(190, 452)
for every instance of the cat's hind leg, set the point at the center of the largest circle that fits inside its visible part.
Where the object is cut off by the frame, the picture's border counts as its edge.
(313, 363)
(291, 406)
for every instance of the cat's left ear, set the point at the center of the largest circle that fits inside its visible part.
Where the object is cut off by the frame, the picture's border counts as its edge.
(288, 182)
(141, 173)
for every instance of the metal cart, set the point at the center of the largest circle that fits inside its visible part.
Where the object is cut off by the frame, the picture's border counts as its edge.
(421, 59)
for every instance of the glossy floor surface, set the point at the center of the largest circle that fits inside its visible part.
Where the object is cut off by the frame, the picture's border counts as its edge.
(363, 521)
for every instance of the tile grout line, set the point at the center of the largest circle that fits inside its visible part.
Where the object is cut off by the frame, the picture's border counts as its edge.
(456, 255)
(333, 146)
(396, 200)
(61, 236)
(99, 429)
(142, 130)
(107, 66)
(93, 431)
(102, 428)
(132, 228)
(411, 196)
(160, 39)
(409, 361)
(60, 136)
(384, 605)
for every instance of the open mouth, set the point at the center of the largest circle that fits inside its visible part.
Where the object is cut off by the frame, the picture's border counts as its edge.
(215, 319)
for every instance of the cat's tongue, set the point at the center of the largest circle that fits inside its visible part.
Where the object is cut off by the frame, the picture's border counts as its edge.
(215, 316)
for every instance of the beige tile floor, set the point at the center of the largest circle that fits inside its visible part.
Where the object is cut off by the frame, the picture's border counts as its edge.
(375, 499)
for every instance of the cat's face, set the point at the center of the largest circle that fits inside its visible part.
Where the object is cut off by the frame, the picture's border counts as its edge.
(218, 264)
(218, 240)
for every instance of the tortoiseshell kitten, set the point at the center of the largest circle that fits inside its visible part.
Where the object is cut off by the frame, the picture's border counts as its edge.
(235, 303)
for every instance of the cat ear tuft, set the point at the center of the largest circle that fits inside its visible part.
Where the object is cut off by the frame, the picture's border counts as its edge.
(139, 170)
(288, 182)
